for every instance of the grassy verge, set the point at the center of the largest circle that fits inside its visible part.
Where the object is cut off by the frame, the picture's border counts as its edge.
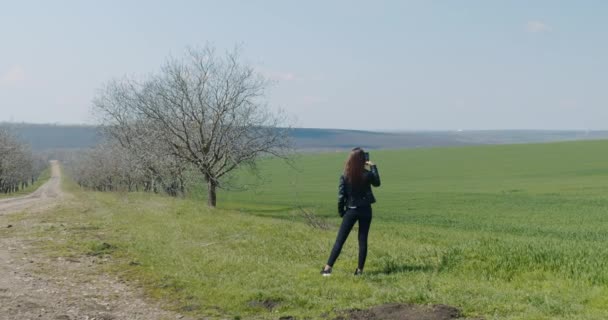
(44, 177)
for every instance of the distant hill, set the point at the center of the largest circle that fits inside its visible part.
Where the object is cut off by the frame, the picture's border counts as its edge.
(332, 139)
(50, 136)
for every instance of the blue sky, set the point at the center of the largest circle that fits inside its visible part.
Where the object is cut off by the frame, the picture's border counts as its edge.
(373, 65)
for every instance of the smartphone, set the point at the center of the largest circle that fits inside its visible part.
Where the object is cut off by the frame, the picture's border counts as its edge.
(366, 156)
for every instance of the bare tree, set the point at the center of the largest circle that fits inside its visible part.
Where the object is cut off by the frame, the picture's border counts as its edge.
(204, 110)
(111, 167)
(18, 166)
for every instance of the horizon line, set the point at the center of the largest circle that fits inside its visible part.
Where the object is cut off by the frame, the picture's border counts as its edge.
(388, 130)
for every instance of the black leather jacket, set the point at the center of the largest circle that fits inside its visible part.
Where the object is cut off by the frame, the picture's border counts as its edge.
(360, 196)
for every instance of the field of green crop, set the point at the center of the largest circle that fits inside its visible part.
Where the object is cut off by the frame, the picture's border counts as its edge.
(502, 232)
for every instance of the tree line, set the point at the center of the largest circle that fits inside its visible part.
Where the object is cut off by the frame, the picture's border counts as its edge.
(112, 167)
(19, 168)
(202, 116)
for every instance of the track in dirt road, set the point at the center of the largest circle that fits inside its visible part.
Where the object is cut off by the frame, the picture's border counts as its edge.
(46, 194)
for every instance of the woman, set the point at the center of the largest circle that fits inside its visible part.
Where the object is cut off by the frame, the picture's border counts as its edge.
(354, 204)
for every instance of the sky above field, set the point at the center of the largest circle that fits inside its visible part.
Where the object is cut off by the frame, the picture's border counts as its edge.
(372, 65)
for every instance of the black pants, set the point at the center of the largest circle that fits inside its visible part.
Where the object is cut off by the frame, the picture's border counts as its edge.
(364, 215)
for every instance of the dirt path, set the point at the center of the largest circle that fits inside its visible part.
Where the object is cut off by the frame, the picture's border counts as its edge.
(34, 286)
(46, 195)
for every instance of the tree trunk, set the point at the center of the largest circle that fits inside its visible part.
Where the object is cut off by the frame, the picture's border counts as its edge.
(211, 193)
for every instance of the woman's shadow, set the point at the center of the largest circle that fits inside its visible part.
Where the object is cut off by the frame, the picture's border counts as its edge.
(394, 268)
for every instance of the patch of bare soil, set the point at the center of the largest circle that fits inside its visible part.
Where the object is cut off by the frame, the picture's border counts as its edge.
(398, 311)
(33, 286)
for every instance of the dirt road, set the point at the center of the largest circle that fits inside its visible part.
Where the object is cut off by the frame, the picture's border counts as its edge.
(45, 195)
(36, 286)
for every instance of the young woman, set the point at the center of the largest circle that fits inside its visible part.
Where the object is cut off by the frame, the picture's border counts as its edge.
(354, 204)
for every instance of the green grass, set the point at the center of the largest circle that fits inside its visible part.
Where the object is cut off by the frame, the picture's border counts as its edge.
(44, 177)
(503, 232)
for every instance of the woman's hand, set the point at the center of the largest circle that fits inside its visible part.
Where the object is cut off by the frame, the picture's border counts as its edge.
(369, 163)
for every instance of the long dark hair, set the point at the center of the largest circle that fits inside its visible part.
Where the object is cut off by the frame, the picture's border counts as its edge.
(354, 167)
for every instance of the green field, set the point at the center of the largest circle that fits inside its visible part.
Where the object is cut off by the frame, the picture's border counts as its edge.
(502, 232)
